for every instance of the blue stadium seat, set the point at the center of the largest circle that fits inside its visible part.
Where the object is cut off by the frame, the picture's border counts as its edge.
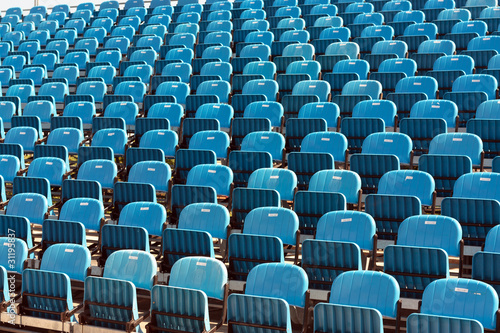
(184, 284)
(463, 292)
(20, 255)
(433, 244)
(148, 215)
(198, 224)
(259, 291)
(386, 49)
(338, 231)
(117, 274)
(271, 142)
(33, 206)
(62, 264)
(265, 231)
(459, 144)
(284, 181)
(384, 109)
(347, 305)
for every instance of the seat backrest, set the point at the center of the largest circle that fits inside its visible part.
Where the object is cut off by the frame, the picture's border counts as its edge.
(166, 140)
(326, 110)
(150, 41)
(144, 72)
(403, 5)
(200, 273)
(328, 21)
(343, 181)
(95, 88)
(477, 82)
(114, 138)
(100, 170)
(258, 24)
(52, 168)
(220, 177)
(484, 43)
(310, 67)
(318, 88)
(300, 36)
(179, 90)
(43, 109)
(282, 180)
(458, 144)
(19, 257)
(219, 88)
(135, 89)
(437, 46)
(394, 143)
(492, 243)
(55, 89)
(352, 288)
(435, 231)
(222, 69)
(408, 182)
(155, 173)
(298, 49)
(487, 3)
(126, 110)
(478, 185)
(479, 27)
(325, 142)
(71, 259)
(138, 267)
(23, 135)
(347, 226)
(436, 108)
(384, 109)
(88, 211)
(384, 31)
(416, 16)
(210, 217)
(407, 66)
(273, 221)
(397, 47)
(183, 70)
(84, 110)
(261, 51)
(371, 88)
(494, 62)
(185, 55)
(257, 37)
(271, 110)
(422, 29)
(186, 39)
(150, 215)
(269, 88)
(454, 62)
(342, 33)
(461, 298)
(348, 48)
(359, 7)
(217, 141)
(279, 280)
(187, 28)
(222, 112)
(488, 110)
(369, 18)
(424, 84)
(295, 23)
(358, 66)
(271, 142)
(33, 206)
